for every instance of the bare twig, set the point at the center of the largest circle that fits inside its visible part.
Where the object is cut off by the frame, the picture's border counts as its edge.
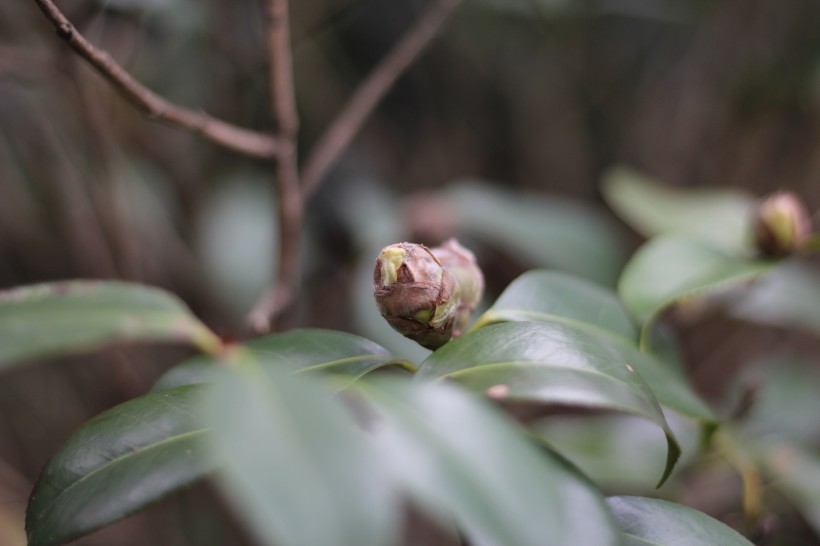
(245, 141)
(290, 202)
(282, 145)
(367, 96)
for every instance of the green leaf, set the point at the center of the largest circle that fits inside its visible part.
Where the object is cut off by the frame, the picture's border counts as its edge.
(561, 364)
(788, 297)
(796, 472)
(656, 522)
(618, 452)
(786, 402)
(455, 454)
(294, 463)
(118, 463)
(546, 231)
(307, 350)
(552, 296)
(57, 318)
(718, 216)
(781, 428)
(672, 268)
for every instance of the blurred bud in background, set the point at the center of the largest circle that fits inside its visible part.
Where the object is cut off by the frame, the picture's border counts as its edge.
(781, 225)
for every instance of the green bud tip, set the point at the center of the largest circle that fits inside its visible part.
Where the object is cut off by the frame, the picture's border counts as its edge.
(391, 259)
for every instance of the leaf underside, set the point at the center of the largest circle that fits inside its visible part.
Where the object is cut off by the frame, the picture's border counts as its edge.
(59, 318)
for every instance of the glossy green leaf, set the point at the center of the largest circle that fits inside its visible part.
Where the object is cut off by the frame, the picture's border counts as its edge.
(562, 364)
(455, 454)
(552, 296)
(718, 216)
(307, 350)
(118, 463)
(546, 231)
(788, 297)
(294, 463)
(655, 522)
(57, 318)
(672, 268)
(663, 342)
(565, 348)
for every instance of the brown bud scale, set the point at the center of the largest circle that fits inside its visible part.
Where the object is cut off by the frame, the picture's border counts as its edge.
(427, 295)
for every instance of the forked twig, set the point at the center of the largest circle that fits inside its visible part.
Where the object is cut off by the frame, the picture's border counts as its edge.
(230, 136)
(289, 195)
(292, 192)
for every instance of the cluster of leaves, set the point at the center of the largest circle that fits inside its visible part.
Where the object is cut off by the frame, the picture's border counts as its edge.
(312, 448)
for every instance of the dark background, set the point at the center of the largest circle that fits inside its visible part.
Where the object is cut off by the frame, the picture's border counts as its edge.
(539, 96)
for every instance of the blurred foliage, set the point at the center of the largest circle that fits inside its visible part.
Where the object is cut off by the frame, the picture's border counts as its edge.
(542, 97)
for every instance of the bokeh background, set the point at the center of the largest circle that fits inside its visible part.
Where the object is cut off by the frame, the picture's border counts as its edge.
(500, 134)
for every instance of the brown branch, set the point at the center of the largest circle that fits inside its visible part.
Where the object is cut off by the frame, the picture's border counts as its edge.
(290, 202)
(367, 96)
(282, 145)
(241, 140)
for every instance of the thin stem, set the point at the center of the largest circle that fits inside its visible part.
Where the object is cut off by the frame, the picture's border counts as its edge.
(290, 202)
(281, 147)
(338, 136)
(230, 136)
(749, 473)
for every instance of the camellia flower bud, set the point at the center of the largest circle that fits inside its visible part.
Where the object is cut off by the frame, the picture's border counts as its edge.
(420, 291)
(462, 264)
(781, 225)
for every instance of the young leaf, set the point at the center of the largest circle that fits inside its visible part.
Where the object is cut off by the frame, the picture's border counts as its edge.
(561, 364)
(718, 216)
(307, 350)
(56, 318)
(656, 522)
(117, 464)
(456, 456)
(553, 296)
(671, 268)
(294, 463)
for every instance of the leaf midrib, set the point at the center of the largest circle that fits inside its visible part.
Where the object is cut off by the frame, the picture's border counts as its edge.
(641, 539)
(389, 360)
(496, 316)
(109, 463)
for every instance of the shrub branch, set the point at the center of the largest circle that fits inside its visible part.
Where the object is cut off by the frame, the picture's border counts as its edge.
(292, 190)
(338, 136)
(230, 136)
(290, 202)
